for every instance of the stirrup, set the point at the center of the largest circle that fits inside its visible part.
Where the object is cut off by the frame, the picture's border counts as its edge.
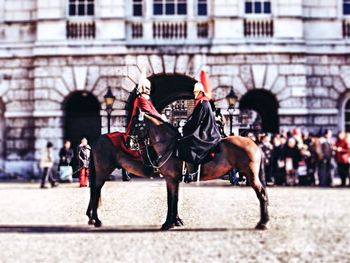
(156, 170)
(184, 168)
(190, 177)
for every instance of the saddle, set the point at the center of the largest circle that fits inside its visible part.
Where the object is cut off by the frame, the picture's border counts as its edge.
(118, 140)
(194, 174)
(209, 156)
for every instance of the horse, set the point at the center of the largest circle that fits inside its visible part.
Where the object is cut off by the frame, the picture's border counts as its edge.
(235, 152)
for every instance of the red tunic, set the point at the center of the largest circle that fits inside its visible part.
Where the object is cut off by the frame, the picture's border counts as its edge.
(118, 138)
(342, 156)
(144, 105)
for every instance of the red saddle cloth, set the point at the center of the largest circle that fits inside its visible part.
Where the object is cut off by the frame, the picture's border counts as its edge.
(118, 139)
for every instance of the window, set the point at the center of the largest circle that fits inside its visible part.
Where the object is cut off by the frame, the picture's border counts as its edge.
(169, 7)
(346, 7)
(137, 8)
(81, 7)
(258, 7)
(202, 8)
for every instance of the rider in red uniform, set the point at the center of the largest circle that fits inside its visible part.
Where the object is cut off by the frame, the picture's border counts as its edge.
(142, 100)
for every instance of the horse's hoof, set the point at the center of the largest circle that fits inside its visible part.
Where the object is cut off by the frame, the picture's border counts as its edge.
(166, 226)
(179, 222)
(98, 224)
(91, 222)
(261, 226)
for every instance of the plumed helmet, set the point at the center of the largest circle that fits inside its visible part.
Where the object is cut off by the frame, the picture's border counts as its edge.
(198, 87)
(143, 82)
(205, 83)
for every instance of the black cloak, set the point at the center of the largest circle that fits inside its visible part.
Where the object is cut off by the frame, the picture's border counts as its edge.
(200, 134)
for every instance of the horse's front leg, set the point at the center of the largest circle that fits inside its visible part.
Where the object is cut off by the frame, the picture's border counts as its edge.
(172, 219)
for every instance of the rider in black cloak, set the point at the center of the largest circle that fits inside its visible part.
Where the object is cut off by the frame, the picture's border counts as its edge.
(200, 133)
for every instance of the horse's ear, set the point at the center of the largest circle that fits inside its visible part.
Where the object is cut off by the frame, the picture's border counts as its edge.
(141, 116)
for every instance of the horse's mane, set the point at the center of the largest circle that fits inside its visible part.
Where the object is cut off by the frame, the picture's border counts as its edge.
(163, 122)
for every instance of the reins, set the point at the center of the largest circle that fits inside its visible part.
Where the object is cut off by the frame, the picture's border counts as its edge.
(158, 159)
(168, 152)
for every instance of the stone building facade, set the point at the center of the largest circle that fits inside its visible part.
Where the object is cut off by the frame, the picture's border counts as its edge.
(287, 60)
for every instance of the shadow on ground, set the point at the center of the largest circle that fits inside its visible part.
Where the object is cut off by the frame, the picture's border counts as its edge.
(43, 229)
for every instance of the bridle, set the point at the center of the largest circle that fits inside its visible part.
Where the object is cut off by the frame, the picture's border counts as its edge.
(140, 138)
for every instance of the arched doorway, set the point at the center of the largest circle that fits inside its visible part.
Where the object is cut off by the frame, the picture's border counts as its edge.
(2, 136)
(82, 118)
(170, 92)
(265, 104)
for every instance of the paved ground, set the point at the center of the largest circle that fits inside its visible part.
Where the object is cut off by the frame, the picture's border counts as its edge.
(307, 224)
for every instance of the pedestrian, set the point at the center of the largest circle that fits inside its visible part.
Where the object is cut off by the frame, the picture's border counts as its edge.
(325, 153)
(46, 164)
(292, 157)
(278, 169)
(342, 157)
(267, 148)
(311, 160)
(66, 155)
(84, 151)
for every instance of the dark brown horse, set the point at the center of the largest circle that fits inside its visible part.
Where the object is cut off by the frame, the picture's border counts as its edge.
(235, 152)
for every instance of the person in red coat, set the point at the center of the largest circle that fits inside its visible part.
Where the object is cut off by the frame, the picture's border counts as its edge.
(342, 157)
(142, 101)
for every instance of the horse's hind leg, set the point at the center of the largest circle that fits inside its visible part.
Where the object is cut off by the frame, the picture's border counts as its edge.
(253, 177)
(102, 163)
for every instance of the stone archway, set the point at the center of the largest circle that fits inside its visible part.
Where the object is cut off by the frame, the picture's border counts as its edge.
(82, 118)
(167, 89)
(266, 105)
(2, 136)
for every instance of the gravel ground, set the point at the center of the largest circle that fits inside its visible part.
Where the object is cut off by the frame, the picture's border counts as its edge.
(48, 225)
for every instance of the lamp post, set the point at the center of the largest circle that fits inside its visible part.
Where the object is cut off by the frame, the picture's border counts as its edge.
(109, 100)
(231, 100)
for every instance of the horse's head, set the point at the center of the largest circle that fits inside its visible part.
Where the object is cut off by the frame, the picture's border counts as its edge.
(151, 127)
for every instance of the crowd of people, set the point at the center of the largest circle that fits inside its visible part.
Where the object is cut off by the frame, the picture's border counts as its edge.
(65, 170)
(300, 158)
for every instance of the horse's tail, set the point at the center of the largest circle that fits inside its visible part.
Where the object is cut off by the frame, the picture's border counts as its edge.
(262, 175)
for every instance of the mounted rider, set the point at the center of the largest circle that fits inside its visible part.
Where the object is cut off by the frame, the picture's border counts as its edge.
(123, 141)
(200, 133)
(142, 101)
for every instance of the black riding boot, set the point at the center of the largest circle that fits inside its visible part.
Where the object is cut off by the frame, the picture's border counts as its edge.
(191, 173)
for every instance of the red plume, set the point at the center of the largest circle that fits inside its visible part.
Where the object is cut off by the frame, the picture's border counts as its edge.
(205, 83)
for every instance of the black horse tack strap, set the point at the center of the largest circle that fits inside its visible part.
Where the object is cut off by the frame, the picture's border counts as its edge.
(154, 166)
(184, 172)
